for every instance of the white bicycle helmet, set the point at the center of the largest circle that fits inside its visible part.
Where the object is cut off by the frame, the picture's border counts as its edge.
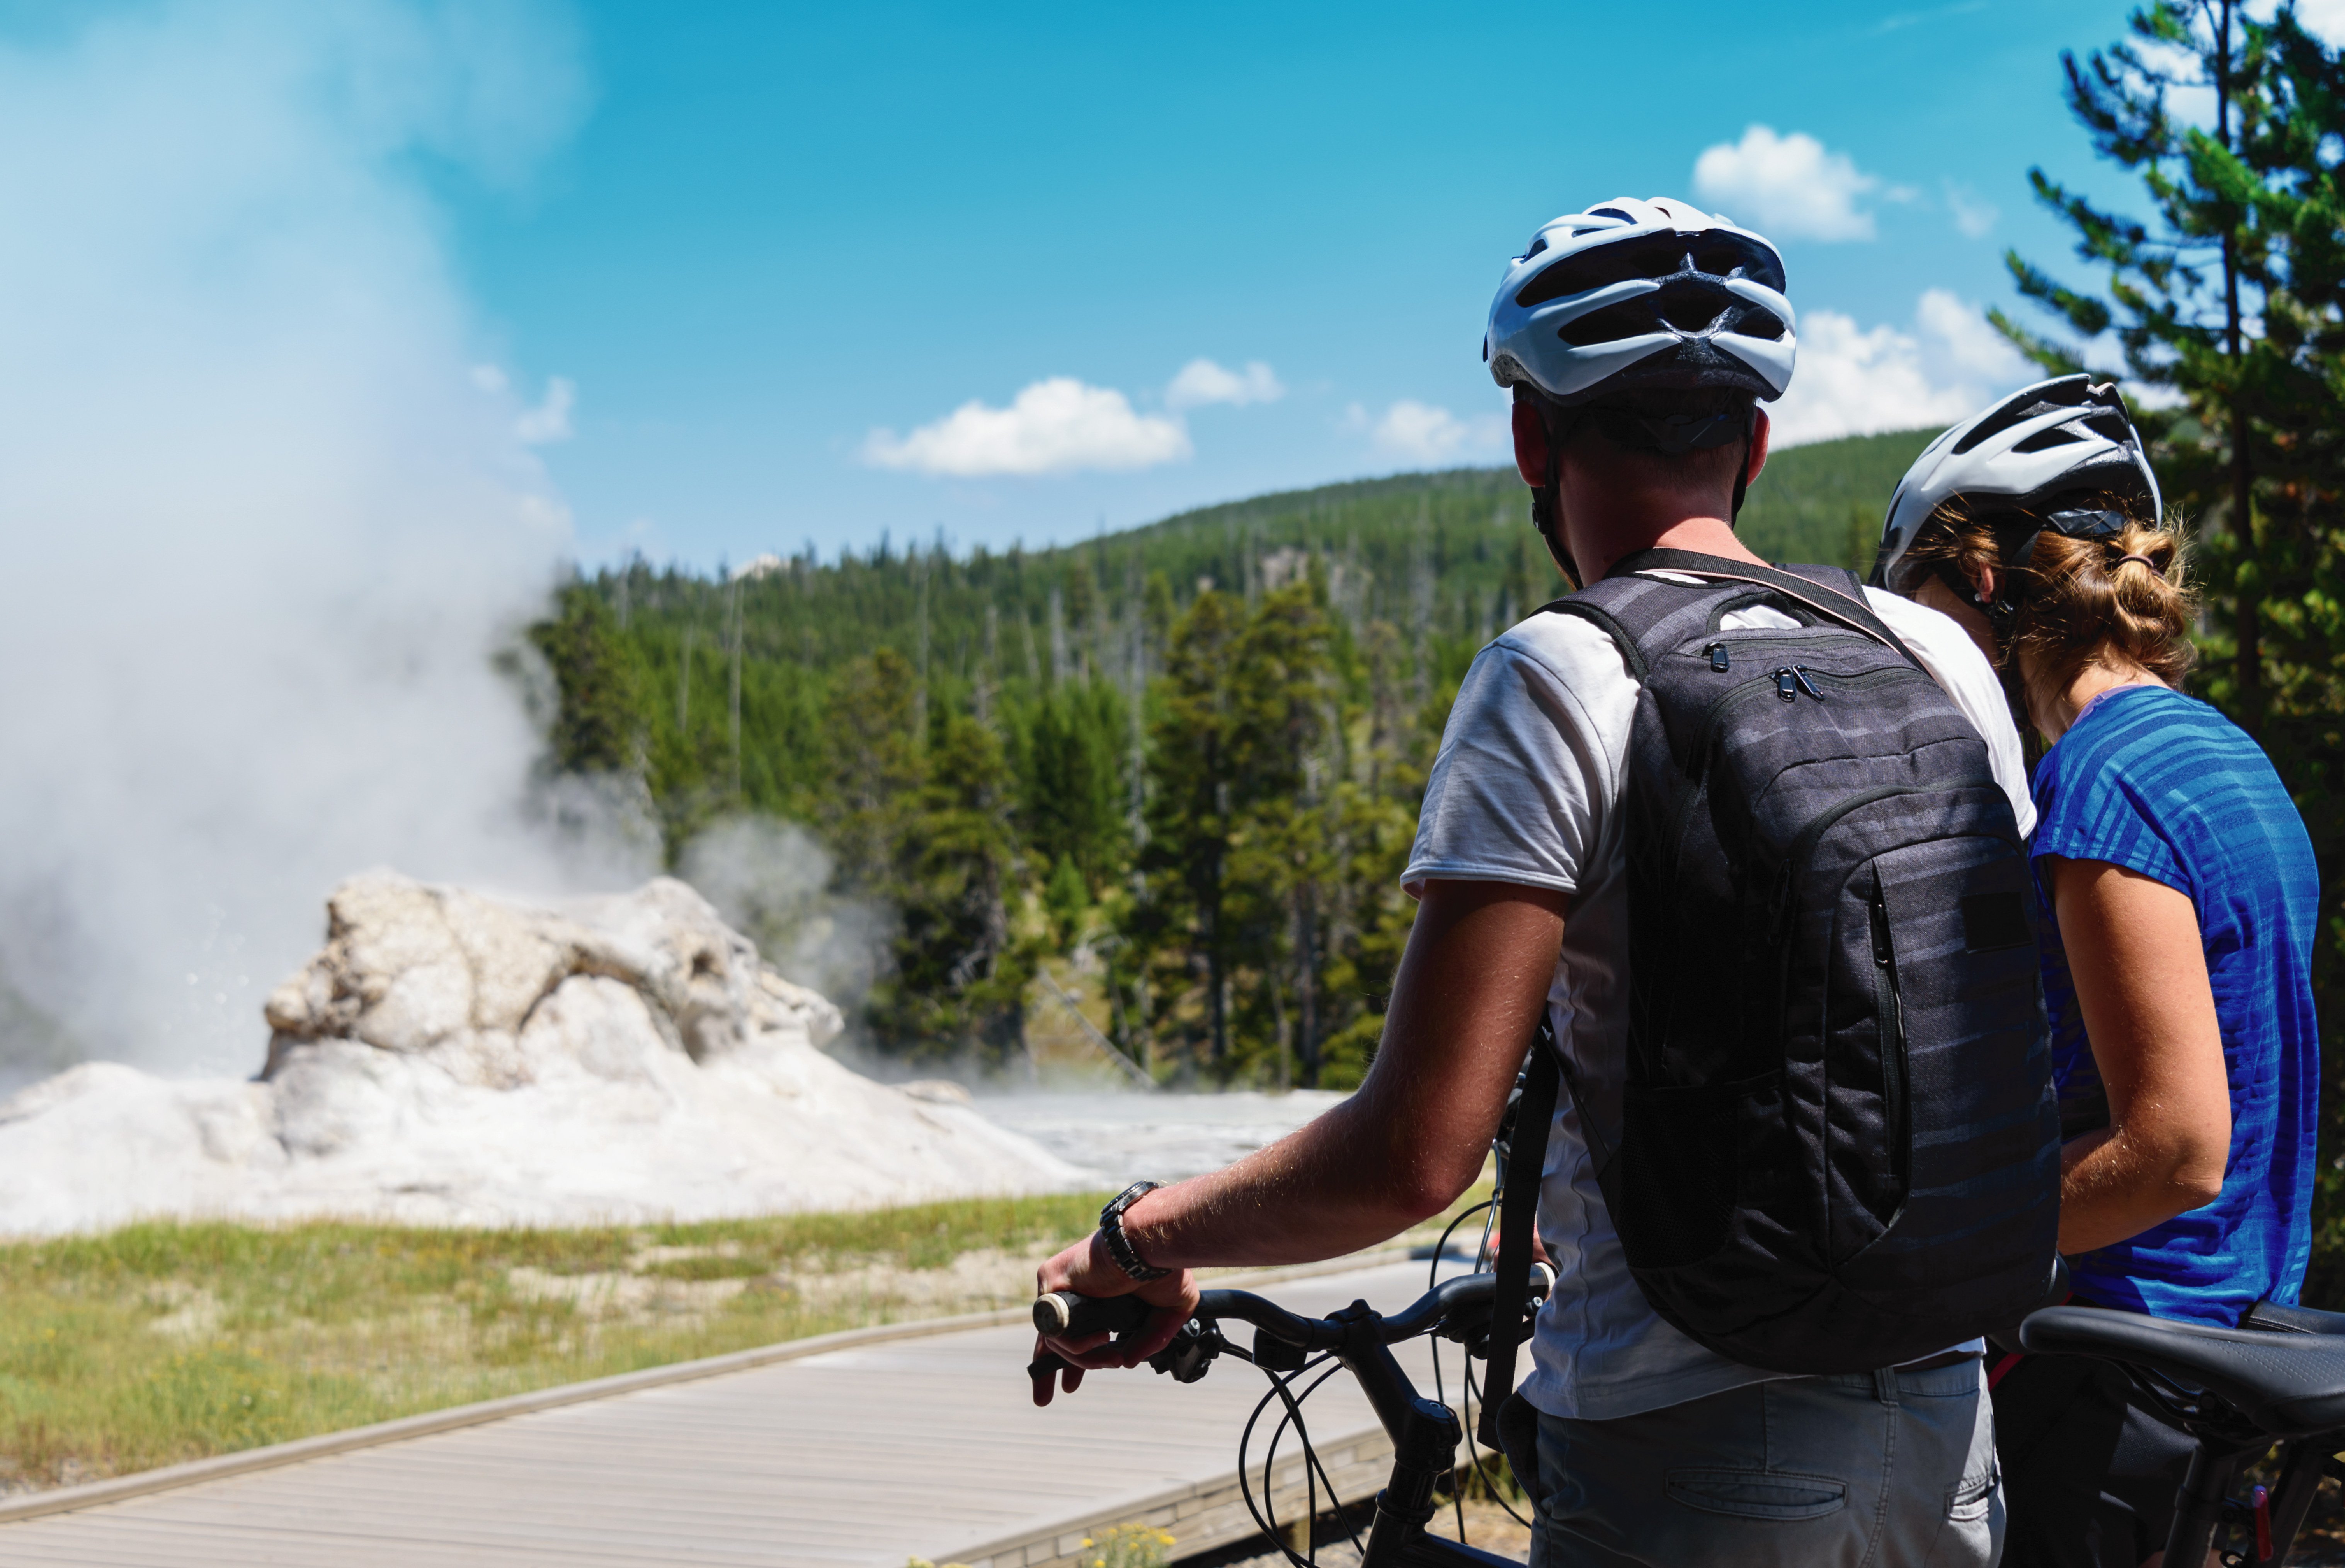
(2023, 453)
(1634, 294)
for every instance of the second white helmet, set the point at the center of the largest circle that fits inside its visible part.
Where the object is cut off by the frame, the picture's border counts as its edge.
(2044, 441)
(1650, 293)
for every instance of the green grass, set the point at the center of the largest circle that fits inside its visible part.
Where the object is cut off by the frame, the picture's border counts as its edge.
(162, 1342)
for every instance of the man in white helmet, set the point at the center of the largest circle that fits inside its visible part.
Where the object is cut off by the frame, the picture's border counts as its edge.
(1639, 338)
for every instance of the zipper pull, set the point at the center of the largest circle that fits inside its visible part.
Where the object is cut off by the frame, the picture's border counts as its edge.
(1881, 951)
(1787, 684)
(1717, 652)
(1800, 673)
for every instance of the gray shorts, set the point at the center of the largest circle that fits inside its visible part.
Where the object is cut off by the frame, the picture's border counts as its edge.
(1875, 1470)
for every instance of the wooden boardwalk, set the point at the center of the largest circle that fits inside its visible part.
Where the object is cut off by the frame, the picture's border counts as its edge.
(859, 1457)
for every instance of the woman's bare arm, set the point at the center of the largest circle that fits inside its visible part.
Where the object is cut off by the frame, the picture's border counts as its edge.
(2140, 964)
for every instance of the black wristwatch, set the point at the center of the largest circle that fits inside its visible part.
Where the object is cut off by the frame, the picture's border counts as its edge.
(1119, 1245)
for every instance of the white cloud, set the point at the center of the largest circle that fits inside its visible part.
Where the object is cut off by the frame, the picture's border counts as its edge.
(1855, 382)
(1967, 342)
(549, 419)
(1975, 216)
(1423, 433)
(1053, 426)
(1789, 187)
(1201, 382)
(2324, 19)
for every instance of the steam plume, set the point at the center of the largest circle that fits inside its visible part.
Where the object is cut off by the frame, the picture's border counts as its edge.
(265, 530)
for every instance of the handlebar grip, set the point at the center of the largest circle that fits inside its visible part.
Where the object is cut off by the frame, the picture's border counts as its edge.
(1064, 1314)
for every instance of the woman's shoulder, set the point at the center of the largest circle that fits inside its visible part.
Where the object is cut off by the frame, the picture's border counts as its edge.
(2168, 763)
(2145, 734)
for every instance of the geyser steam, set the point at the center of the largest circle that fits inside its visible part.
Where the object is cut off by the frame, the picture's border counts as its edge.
(264, 528)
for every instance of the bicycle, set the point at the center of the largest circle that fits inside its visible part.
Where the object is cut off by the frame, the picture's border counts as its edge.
(2279, 1378)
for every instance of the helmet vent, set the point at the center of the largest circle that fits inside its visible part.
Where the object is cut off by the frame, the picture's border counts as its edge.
(1655, 256)
(1629, 319)
(2045, 440)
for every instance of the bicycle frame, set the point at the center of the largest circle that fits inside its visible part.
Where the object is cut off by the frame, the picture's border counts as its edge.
(1424, 1437)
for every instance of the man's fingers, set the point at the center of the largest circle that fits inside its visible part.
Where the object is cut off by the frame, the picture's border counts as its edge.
(1049, 1383)
(1158, 1332)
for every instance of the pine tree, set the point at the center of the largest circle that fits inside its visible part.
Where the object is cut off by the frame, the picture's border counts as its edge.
(599, 726)
(876, 769)
(960, 972)
(1178, 925)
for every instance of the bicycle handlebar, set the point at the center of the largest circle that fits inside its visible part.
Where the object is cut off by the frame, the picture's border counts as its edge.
(1065, 1315)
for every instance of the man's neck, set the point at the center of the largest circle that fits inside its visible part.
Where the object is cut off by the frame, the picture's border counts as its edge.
(1703, 536)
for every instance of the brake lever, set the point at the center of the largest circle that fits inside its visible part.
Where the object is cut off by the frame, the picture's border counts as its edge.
(1191, 1354)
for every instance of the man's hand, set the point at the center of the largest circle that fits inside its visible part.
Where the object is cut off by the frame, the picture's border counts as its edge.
(1086, 1269)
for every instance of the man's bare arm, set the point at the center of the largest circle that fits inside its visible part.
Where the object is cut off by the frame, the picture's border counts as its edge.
(1467, 997)
(1471, 984)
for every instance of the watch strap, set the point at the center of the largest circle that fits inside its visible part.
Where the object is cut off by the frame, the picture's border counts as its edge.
(1119, 1245)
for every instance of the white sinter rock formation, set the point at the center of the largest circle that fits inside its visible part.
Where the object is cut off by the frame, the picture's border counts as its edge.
(452, 1058)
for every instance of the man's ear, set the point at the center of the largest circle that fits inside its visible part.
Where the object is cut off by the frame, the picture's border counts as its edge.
(1530, 443)
(1760, 428)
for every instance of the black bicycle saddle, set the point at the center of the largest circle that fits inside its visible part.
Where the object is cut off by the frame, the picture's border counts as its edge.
(2289, 1383)
(2275, 1319)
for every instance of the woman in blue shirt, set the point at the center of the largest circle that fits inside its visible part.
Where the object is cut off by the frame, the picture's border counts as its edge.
(2179, 897)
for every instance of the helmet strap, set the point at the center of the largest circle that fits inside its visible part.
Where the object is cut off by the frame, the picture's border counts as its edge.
(1742, 473)
(1547, 501)
(1546, 518)
(2002, 613)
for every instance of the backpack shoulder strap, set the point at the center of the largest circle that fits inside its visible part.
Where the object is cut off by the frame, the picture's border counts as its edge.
(1640, 613)
(1518, 1218)
(1611, 626)
(1830, 591)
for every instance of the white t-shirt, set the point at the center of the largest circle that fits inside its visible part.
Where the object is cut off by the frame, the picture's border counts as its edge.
(1526, 788)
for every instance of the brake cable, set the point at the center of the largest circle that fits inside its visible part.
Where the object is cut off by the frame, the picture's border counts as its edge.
(1471, 1395)
(1266, 1517)
(1488, 1209)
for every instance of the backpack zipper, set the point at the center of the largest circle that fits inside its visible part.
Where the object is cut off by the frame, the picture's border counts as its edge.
(1790, 681)
(1890, 1001)
(1751, 689)
(1805, 844)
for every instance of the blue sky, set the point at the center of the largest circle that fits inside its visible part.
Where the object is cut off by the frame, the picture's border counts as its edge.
(784, 241)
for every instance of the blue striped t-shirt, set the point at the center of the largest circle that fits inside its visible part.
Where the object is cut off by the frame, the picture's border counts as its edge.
(2163, 784)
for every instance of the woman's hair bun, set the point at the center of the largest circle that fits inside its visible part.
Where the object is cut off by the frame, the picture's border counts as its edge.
(2124, 594)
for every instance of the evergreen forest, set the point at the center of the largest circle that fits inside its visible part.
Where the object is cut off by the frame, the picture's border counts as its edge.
(1191, 753)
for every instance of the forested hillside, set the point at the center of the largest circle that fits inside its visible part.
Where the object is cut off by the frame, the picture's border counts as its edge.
(1192, 752)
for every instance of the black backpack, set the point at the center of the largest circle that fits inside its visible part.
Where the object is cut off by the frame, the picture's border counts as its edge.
(1838, 1147)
